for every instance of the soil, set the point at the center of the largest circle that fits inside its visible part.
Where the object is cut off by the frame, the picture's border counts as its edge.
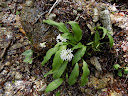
(21, 28)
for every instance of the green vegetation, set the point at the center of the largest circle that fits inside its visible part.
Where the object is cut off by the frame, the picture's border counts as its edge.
(69, 51)
(28, 54)
(120, 69)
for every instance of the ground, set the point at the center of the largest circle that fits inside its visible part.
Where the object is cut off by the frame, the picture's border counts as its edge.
(21, 29)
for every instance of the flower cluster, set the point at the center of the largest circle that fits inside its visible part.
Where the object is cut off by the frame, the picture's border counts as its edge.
(42, 45)
(66, 55)
(60, 39)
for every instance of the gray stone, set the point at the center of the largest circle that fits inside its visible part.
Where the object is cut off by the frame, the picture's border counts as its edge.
(8, 88)
(8, 63)
(18, 75)
(4, 72)
(94, 61)
(16, 46)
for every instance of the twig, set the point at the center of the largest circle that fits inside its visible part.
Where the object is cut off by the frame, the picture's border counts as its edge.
(40, 16)
(126, 78)
(54, 5)
(5, 49)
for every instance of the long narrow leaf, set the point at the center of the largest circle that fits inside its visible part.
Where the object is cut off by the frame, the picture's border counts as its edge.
(86, 72)
(75, 73)
(60, 70)
(61, 26)
(54, 84)
(110, 40)
(48, 73)
(57, 61)
(96, 39)
(79, 45)
(77, 56)
(77, 32)
(105, 31)
(49, 53)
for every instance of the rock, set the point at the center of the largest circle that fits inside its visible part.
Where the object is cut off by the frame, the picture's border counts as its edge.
(8, 63)
(1, 67)
(6, 37)
(115, 94)
(19, 7)
(75, 12)
(4, 72)
(18, 76)
(79, 9)
(36, 31)
(105, 18)
(40, 85)
(88, 92)
(94, 61)
(100, 83)
(16, 46)
(3, 4)
(52, 16)
(29, 3)
(8, 88)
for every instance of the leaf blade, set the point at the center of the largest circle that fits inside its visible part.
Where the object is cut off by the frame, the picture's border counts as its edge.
(86, 72)
(77, 56)
(49, 53)
(57, 61)
(96, 39)
(111, 41)
(61, 26)
(54, 84)
(27, 52)
(77, 32)
(74, 74)
(60, 71)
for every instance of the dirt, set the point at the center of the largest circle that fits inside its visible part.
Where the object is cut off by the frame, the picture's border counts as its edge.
(23, 31)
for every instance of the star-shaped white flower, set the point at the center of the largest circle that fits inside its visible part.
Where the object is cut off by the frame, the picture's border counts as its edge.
(42, 44)
(66, 55)
(60, 39)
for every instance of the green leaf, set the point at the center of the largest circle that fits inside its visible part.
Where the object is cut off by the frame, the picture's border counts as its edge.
(28, 59)
(66, 75)
(49, 53)
(60, 70)
(86, 72)
(96, 39)
(77, 32)
(27, 53)
(17, 12)
(126, 70)
(90, 43)
(79, 45)
(57, 61)
(105, 31)
(50, 72)
(120, 73)
(73, 76)
(116, 66)
(58, 94)
(61, 26)
(54, 84)
(110, 40)
(69, 36)
(77, 56)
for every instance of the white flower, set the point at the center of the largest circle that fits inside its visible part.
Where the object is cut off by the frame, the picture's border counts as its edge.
(60, 39)
(42, 45)
(66, 55)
